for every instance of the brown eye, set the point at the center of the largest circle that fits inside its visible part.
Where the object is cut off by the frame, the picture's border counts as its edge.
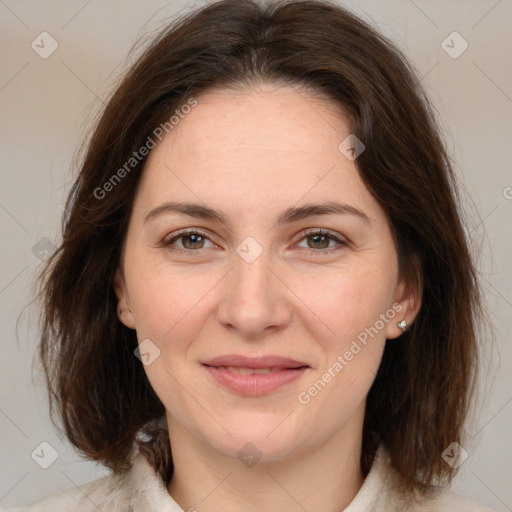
(318, 241)
(193, 241)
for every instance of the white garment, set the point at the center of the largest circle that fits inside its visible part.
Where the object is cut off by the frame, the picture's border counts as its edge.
(140, 489)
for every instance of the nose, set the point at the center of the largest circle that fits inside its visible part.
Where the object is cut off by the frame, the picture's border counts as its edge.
(255, 299)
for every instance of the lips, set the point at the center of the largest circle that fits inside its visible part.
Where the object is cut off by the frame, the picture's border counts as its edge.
(254, 376)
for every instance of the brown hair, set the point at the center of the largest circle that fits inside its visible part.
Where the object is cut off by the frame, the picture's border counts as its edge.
(420, 398)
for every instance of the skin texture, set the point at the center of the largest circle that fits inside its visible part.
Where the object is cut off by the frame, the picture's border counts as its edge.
(252, 153)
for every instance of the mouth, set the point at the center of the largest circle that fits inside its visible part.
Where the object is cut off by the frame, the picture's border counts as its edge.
(254, 376)
(251, 371)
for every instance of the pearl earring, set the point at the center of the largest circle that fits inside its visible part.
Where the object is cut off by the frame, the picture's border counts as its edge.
(403, 325)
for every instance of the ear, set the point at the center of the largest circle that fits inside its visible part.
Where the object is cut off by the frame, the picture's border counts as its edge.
(124, 310)
(407, 303)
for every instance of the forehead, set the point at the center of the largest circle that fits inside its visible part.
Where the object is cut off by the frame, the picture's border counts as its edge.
(255, 146)
(262, 119)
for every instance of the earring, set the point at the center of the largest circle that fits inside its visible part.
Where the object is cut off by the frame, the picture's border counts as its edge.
(122, 310)
(403, 325)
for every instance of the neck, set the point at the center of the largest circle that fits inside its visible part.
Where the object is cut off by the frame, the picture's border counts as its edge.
(324, 478)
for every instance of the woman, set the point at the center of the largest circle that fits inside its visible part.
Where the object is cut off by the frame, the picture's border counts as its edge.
(264, 298)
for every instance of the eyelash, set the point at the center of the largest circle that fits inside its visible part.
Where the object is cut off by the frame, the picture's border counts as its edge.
(307, 234)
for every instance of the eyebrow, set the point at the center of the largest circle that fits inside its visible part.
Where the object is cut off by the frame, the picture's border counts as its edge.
(288, 216)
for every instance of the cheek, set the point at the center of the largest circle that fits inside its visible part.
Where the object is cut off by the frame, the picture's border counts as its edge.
(170, 308)
(350, 348)
(347, 325)
(166, 299)
(344, 303)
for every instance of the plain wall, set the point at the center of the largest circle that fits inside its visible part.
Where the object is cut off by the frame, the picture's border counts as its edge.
(47, 106)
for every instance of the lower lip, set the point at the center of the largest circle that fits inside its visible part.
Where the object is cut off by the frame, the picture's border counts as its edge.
(255, 384)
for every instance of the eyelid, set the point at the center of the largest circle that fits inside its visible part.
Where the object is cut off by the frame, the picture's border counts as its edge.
(323, 231)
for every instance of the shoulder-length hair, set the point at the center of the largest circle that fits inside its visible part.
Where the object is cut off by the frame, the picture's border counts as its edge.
(422, 393)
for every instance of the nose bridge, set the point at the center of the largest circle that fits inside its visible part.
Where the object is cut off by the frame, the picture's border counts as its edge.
(251, 280)
(254, 299)
(250, 274)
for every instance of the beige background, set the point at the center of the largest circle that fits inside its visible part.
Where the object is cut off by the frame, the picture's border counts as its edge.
(48, 104)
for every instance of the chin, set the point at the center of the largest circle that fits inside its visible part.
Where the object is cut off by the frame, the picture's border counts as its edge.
(268, 440)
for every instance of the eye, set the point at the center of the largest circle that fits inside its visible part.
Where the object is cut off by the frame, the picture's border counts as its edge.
(191, 241)
(320, 239)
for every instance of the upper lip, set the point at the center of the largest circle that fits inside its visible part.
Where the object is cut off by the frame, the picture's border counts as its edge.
(240, 361)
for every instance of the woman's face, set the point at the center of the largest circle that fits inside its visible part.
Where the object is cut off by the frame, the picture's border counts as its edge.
(260, 282)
